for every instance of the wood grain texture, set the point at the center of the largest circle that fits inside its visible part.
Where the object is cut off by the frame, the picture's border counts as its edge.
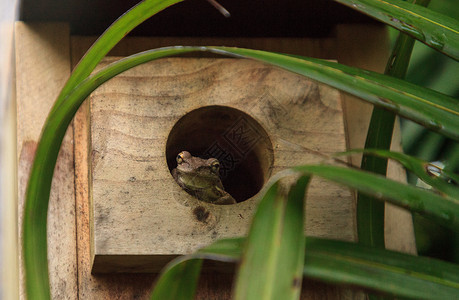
(138, 128)
(365, 47)
(108, 286)
(213, 285)
(42, 66)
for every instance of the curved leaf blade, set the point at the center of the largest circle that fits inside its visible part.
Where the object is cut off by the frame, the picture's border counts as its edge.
(340, 262)
(370, 212)
(432, 175)
(273, 255)
(424, 106)
(392, 273)
(37, 197)
(434, 29)
(39, 184)
(444, 210)
(119, 29)
(178, 281)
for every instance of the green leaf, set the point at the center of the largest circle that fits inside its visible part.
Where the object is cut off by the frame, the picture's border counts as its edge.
(119, 29)
(452, 159)
(276, 270)
(273, 256)
(434, 29)
(432, 175)
(227, 250)
(39, 185)
(429, 146)
(340, 262)
(381, 270)
(178, 281)
(370, 212)
(424, 106)
(442, 209)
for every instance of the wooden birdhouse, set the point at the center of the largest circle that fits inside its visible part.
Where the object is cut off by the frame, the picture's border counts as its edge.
(115, 206)
(255, 119)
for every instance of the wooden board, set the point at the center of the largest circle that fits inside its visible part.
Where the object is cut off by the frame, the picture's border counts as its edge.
(256, 119)
(134, 286)
(398, 225)
(42, 66)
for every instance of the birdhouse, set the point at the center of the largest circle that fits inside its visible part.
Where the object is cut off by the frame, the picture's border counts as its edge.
(115, 205)
(256, 120)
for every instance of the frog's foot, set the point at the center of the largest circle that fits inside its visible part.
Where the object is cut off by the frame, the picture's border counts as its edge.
(225, 200)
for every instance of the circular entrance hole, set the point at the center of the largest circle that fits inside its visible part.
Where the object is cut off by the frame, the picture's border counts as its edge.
(237, 140)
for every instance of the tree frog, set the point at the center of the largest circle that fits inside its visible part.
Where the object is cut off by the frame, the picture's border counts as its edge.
(200, 178)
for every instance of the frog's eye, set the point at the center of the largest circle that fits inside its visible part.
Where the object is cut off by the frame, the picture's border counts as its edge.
(180, 158)
(215, 166)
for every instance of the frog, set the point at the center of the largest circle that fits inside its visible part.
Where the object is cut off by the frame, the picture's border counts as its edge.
(200, 178)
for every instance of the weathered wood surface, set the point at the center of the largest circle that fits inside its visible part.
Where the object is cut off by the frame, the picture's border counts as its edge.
(398, 228)
(368, 50)
(211, 286)
(42, 66)
(140, 211)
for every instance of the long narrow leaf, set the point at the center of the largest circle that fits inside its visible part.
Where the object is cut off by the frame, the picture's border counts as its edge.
(434, 29)
(273, 256)
(179, 281)
(385, 271)
(381, 270)
(290, 259)
(443, 210)
(430, 174)
(39, 185)
(427, 107)
(370, 212)
(267, 221)
(119, 29)
(430, 108)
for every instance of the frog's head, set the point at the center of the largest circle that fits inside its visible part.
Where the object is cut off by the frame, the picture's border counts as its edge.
(196, 172)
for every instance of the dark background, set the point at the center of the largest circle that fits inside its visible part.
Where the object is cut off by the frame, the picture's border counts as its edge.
(249, 18)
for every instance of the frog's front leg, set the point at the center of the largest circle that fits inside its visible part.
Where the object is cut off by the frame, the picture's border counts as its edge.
(225, 199)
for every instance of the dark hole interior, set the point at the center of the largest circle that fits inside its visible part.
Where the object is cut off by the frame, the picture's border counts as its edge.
(233, 137)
